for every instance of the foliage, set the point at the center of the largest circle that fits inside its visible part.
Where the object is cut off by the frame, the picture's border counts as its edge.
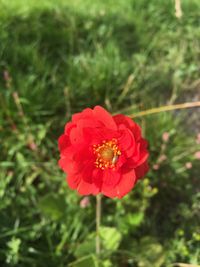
(58, 57)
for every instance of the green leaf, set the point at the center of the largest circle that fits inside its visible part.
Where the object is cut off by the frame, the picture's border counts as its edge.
(87, 261)
(21, 160)
(150, 252)
(110, 237)
(135, 219)
(13, 252)
(14, 245)
(106, 263)
(52, 206)
(87, 247)
(41, 133)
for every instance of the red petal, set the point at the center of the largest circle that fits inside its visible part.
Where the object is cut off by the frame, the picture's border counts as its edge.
(127, 142)
(120, 162)
(139, 156)
(97, 135)
(85, 170)
(129, 123)
(77, 133)
(143, 155)
(102, 115)
(68, 127)
(141, 170)
(92, 123)
(126, 183)
(110, 178)
(75, 136)
(73, 181)
(112, 192)
(85, 188)
(97, 177)
(86, 113)
(67, 165)
(63, 142)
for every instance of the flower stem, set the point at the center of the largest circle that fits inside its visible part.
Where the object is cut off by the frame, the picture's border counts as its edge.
(98, 223)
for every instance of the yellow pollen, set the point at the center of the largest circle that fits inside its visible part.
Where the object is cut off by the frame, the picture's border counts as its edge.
(107, 154)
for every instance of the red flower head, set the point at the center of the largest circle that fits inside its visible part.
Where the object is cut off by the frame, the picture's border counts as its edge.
(102, 153)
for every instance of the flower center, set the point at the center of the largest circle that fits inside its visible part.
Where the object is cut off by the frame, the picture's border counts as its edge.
(107, 154)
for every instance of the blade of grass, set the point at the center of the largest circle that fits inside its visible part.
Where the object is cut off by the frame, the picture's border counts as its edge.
(179, 264)
(165, 108)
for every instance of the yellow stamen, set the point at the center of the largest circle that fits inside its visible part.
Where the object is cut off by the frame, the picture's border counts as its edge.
(107, 154)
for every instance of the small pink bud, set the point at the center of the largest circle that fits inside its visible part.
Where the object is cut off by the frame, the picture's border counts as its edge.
(198, 138)
(14, 127)
(197, 155)
(162, 158)
(6, 75)
(85, 202)
(165, 137)
(32, 146)
(156, 166)
(188, 165)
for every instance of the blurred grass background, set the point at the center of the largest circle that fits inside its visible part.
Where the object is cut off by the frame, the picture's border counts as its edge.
(58, 57)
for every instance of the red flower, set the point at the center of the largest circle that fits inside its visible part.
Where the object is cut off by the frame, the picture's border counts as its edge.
(102, 153)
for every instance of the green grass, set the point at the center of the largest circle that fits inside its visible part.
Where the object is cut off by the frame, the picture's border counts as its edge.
(63, 56)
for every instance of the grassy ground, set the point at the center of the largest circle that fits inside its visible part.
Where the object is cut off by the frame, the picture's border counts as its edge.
(58, 57)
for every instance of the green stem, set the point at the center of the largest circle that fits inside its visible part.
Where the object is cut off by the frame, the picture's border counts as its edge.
(98, 223)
